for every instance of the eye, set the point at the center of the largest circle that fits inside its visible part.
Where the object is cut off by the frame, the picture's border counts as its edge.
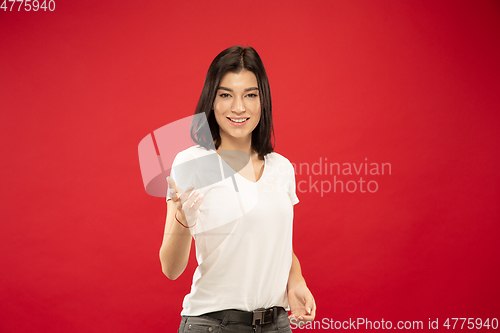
(224, 95)
(252, 95)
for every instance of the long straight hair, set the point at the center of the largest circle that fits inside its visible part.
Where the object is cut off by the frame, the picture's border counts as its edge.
(235, 59)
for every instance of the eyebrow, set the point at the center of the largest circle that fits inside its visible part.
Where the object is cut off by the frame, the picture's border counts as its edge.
(227, 89)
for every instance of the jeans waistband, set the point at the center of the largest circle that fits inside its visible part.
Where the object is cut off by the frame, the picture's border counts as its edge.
(256, 317)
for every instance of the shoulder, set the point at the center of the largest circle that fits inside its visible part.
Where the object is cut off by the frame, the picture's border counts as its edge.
(192, 153)
(279, 160)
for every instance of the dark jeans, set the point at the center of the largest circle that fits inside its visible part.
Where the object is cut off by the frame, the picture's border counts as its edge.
(208, 324)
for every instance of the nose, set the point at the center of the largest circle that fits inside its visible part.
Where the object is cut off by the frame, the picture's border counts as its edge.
(238, 105)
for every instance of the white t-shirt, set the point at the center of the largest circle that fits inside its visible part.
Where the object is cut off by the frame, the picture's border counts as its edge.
(243, 237)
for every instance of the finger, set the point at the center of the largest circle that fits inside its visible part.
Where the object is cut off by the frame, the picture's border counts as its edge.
(198, 202)
(312, 312)
(314, 307)
(297, 312)
(190, 201)
(173, 185)
(307, 317)
(301, 323)
(171, 182)
(309, 304)
(296, 317)
(185, 195)
(172, 188)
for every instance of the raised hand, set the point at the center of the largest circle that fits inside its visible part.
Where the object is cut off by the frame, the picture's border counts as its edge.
(187, 203)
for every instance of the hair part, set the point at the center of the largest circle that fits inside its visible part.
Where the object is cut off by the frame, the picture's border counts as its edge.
(235, 59)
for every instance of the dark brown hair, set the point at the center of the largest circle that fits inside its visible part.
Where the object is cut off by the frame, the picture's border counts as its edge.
(235, 59)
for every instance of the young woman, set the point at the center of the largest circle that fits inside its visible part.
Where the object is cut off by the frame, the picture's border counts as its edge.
(247, 274)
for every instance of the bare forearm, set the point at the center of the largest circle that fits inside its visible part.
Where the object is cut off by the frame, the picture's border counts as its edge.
(295, 277)
(176, 245)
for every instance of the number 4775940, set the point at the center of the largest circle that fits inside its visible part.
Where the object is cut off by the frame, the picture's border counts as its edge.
(470, 323)
(28, 5)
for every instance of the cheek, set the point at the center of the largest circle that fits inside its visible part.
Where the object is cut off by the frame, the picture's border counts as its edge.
(220, 106)
(256, 117)
(217, 109)
(218, 116)
(258, 111)
(219, 112)
(256, 107)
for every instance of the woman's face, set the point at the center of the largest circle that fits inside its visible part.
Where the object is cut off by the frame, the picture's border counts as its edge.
(237, 105)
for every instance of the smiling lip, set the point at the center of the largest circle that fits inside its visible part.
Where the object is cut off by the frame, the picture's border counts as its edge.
(237, 118)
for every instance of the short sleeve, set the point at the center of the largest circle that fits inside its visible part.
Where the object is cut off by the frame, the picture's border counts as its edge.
(291, 188)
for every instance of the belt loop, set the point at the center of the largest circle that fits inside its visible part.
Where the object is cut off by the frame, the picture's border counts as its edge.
(275, 314)
(226, 319)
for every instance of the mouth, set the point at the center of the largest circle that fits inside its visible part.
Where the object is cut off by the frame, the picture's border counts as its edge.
(237, 121)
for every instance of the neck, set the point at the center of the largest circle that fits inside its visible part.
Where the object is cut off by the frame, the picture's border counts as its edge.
(243, 144)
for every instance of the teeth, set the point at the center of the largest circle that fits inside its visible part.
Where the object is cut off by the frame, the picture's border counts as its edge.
(238, 120)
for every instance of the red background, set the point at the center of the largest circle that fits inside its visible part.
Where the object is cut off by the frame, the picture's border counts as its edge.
(411, 83)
